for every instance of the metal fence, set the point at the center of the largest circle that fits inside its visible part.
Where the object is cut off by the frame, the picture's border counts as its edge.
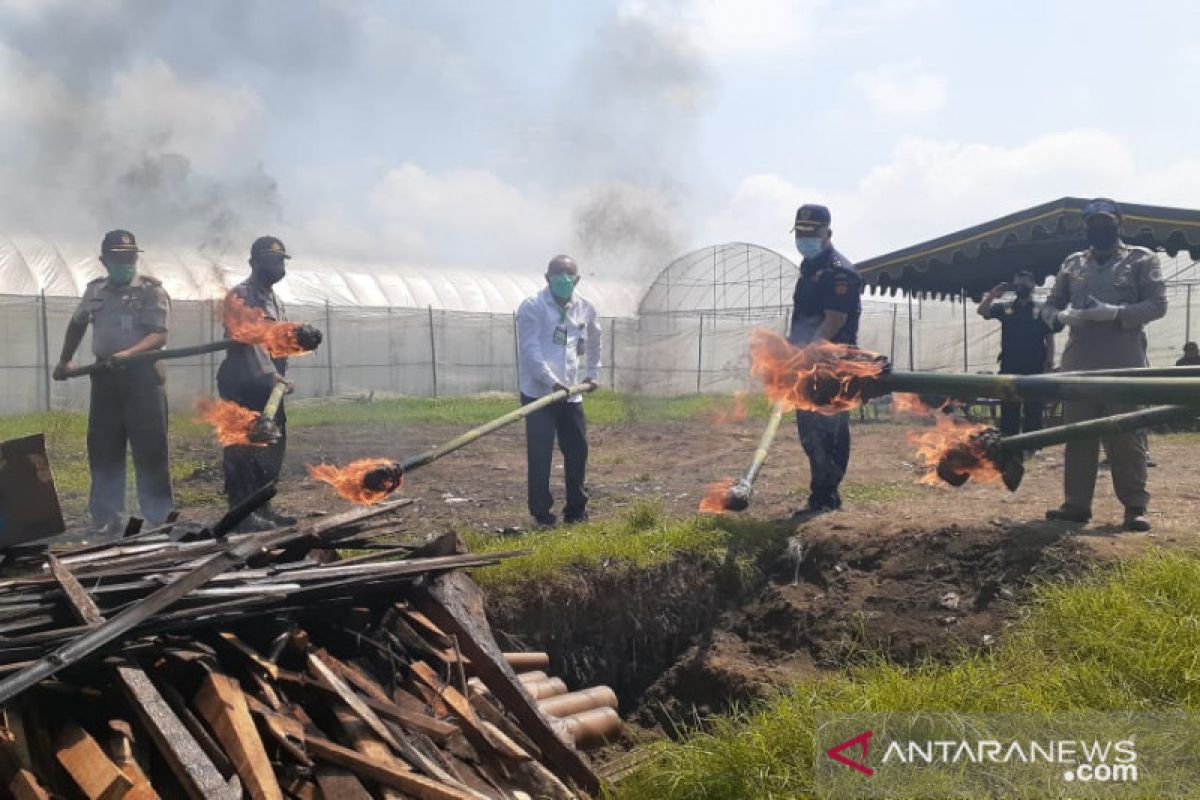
(430, 352)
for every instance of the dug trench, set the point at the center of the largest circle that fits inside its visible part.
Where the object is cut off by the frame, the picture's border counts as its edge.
(692, 637)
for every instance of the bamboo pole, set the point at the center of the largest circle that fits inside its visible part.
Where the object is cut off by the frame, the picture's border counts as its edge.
(388, 478)
(737, 497)
(150, 356)
(1181, 391)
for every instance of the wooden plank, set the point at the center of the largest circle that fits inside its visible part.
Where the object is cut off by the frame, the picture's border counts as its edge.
(24, 786)
(188, 761)
(399, 745)
(468, 722)
(285, 730)
(84, 760)
(120, 748)
(221, 703)
(456, 605)
(360, 738)
(340, 784)
(417, 785)
(412, 720)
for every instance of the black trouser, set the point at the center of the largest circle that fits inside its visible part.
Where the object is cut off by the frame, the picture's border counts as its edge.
(1021, 417)
(566, 421)
(247, 468)
(826, 442)
(128, 409)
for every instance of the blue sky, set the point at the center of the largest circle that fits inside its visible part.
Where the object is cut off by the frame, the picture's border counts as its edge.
(494, 135)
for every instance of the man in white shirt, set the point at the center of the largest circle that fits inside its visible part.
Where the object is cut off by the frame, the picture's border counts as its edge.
(559, 343)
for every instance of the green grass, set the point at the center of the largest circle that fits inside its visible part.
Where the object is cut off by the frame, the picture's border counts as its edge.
(1122, 639)
(642, 537)
(878, 491)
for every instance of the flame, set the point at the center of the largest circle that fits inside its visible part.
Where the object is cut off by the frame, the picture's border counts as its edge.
(232, 422)
(251, 326)
(905, 403)
(733, 415)
(952, 446)
(347, 481)
(823, 377)
(713, 501)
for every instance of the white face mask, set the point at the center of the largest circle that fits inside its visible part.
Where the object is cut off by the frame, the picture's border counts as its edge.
(808, 246)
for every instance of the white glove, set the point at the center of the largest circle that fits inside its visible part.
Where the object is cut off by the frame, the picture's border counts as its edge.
(1099, 312)
(1070, 316)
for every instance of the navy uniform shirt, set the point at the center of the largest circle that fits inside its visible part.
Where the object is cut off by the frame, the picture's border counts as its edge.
(828, 282)
(252, 365)
(1022, 336)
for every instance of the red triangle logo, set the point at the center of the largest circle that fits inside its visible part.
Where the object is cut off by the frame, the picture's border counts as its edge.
(863, 740)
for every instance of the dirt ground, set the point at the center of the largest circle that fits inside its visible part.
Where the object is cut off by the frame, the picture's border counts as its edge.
(484, 484)
(907, 570)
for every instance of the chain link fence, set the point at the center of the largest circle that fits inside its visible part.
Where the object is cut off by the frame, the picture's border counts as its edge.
(430, 353)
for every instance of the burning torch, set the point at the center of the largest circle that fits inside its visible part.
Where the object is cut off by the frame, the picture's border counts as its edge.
(737, 496)
(370, 480)
(1005, 453)
(302, 338)
(265, 431)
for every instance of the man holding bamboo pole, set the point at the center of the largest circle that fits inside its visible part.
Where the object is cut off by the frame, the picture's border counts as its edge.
(559, 341)
(247, 376)
(1105, 295)
(827, 309)
(129, 314)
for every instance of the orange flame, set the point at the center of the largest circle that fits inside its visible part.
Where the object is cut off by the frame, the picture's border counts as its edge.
(713, 501)
(823, 377)
(905, 403)
(733, 415)
(949, 444)
(347, 481)
(251, 326)
(232, 422)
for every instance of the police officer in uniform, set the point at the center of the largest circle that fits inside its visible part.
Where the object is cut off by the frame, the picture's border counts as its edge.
(246, 376)
(827, 308)
(129, 314)
(1026, 347)
(1105, 294)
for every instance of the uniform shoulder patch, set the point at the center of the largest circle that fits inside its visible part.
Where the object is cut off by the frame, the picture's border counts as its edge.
(150, 279)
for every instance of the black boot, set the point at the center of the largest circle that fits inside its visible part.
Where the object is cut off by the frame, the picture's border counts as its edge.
(1135, 520)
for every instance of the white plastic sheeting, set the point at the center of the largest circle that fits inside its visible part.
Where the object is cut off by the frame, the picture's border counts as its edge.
(29, 266)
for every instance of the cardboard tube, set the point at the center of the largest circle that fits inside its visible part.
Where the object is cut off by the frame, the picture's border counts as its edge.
(594, 727)
(575, 702)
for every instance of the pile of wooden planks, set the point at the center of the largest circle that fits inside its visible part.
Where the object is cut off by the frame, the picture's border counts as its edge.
(265, 666)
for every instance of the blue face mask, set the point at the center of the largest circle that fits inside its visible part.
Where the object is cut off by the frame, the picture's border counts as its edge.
(808, 246)
(562, 286)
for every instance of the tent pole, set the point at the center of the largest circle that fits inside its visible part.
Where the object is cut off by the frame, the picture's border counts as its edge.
(966, 361)
(46, 351)
(910, 333)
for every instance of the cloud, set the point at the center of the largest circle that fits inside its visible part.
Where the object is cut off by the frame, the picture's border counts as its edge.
(733, 28)
(931, 187)
(901, 90)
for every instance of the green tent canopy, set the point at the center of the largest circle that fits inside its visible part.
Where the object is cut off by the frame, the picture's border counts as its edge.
(975, 259)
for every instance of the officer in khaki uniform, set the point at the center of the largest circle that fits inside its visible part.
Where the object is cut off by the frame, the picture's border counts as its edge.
(129, 314)
(1105, 295)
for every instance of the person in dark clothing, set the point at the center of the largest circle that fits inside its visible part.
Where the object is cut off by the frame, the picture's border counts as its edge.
(1191, 356)
(246, 376)
(129, 313)
(1026, 347)
(827, 307)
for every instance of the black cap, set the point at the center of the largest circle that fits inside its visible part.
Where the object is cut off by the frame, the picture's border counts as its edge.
(810, 218)
(119, 241)
(1102, 205)
(268, 246)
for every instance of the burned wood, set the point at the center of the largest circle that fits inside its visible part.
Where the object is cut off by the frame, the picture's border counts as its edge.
(183, 754)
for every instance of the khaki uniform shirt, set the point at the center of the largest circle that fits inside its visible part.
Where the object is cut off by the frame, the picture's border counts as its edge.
(121, 316)
(1132, 279)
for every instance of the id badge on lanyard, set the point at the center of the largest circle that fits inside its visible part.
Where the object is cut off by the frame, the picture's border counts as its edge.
(560, 334)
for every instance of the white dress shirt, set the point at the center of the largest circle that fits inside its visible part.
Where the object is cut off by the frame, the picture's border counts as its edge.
(553, 341)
